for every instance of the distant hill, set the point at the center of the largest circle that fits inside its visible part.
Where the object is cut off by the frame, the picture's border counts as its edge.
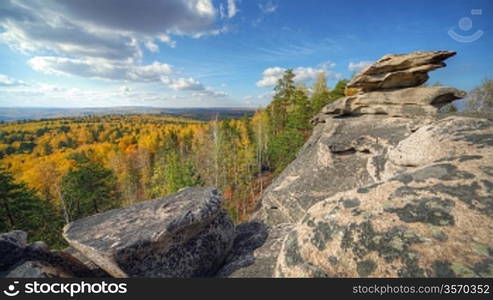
(8, 114)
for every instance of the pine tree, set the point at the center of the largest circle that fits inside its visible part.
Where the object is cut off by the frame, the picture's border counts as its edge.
(88, 188)
(283, 99)
(21, 209)
(338, 91)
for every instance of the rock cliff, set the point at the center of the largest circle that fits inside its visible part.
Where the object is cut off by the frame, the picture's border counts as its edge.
(385, 187)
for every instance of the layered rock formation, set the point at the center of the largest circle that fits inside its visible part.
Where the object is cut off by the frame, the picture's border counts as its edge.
(399, 70)
(385, 187)
(408, 102)
(187, 234)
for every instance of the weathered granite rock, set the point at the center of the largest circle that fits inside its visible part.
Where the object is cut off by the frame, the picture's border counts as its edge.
(254, 254)
(18, 257)
(187, 234)
(399, 70)
(95, 269)
(12, 246)
(341, 154)
(408, 102)
(435, 219)
(37, 269)
(249, 236)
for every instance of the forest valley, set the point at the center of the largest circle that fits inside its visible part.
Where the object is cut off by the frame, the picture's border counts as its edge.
(54, 171)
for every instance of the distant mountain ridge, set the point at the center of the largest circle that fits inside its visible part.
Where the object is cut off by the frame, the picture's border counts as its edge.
(8, 114)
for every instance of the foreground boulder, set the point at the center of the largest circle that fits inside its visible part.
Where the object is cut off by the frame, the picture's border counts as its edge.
(12, 246)
(20, 259)
(435, 219)
(37, 269)
(399, 70)
(187, 234)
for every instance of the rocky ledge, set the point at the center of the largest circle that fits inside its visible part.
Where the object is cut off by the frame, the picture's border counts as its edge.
(386, 186)
(187, 234)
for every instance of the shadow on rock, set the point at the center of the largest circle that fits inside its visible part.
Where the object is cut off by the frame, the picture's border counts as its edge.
(249, 236)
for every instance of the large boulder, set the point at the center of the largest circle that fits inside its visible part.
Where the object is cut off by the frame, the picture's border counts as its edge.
(20, 259)
(399, 70)
(408, 102)
(12, 246)
(37, 269)
(187, 234)
(433, 219)
(341, 154)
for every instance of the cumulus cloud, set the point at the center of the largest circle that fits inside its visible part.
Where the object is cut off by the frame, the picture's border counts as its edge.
(99, 69)
(111, 29)
(7, 81)
(358, 66)
(183, 84)
(271, 76)
(190, 84)
(105, 39)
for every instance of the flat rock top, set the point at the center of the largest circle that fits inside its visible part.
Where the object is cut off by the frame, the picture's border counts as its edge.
(146, 221)
(400, 70)
(397, 62)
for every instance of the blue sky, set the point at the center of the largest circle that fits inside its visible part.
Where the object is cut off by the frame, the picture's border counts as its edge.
(191, 53)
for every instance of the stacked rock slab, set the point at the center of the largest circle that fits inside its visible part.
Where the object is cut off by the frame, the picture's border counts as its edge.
(348, 149)
(407, 102)
(380, 186)
(187, 234)
(399, 70)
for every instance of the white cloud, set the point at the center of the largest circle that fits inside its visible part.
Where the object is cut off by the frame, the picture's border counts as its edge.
(111, 29)
(99, 68)
(105, 39)
(125, 90)
(49, 95)
(151, 46)
(183, 84)
(271, 76)
(358, 66)
(232, 9)
(262, 99)
(190, 84)
(222, 11)
(7, 81)
(209, 92)
(268, 7)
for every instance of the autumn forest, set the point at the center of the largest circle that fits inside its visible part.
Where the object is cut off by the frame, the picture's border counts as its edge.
(54, 171)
